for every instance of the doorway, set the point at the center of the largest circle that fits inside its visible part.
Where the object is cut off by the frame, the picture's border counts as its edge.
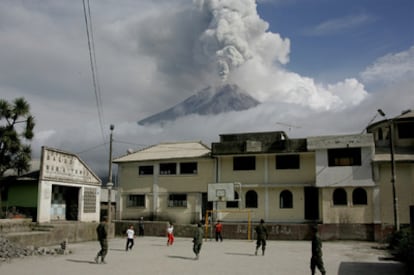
(311, 203)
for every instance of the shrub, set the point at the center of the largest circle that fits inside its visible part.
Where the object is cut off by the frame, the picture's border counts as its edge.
(401, 244)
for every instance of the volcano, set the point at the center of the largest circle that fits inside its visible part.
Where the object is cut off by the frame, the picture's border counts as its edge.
(208, 101)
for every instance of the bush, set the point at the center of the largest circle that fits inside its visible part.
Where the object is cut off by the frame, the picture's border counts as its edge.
(401, 244)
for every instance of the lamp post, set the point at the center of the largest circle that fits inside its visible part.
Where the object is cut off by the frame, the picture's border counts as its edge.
(393, 174)
(110, 184)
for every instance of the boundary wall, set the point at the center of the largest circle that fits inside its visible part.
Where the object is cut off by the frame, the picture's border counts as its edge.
(25, 232)
(357, 232)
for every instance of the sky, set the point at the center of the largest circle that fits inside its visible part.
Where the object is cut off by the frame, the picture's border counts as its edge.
(318, 67)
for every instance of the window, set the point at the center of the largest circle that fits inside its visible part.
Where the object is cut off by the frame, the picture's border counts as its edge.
(177, 200)
(359, 196)
(136, 201)
(287, 162)
(251, 199)
(235, 203)
(168, 168)
(244, 163)
(286, 199)
(146, 170)
(339, 197)
(405, 130)
(188, 168)
(380, 134)
(344, 157)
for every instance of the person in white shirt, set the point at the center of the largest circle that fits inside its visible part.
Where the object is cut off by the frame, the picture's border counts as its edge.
(130, 237)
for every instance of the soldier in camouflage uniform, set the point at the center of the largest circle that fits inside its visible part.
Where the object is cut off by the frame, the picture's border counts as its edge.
(198, 239)
(102, 234)
(261, 233)
(316, 260)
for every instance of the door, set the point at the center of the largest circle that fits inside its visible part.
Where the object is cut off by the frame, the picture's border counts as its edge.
(311, 203)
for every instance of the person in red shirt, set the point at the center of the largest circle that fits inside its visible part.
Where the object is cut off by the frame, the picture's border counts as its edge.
(219, 228)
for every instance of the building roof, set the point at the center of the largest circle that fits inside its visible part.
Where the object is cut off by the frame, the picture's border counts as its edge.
(162, 151)
(407, 115)
(340, 141)
(34, 166)
(257, 143)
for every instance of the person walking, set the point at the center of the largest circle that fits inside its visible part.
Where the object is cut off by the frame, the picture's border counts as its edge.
(141, 227)
(102, 234)
(198, 240)
(170, 234)
(130, 237)
(219, 228)
(261, 233)
(316, 260)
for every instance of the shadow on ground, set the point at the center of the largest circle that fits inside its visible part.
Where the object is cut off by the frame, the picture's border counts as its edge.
(181, 257)
(81, 261)
(352, 268)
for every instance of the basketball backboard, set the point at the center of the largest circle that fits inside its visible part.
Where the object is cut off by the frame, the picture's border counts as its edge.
(221, 191)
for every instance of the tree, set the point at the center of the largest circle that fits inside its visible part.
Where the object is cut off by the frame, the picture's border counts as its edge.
(16, 130)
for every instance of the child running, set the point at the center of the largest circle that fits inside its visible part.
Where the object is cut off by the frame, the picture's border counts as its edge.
(130, 237)
(170, 234)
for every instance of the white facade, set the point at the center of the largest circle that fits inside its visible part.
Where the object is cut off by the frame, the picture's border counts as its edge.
(67, 188)
(342, 175)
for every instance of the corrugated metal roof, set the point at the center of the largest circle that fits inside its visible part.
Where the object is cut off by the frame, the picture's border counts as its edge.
(173, 150)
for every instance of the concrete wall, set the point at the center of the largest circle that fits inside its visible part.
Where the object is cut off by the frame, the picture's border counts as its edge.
(349, 213)
(404, 191)
(362, 232)
(25, 232)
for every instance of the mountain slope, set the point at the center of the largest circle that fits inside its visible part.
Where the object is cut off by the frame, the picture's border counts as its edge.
(209, 101)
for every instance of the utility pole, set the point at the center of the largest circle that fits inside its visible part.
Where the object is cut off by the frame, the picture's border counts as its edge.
(110, 184)
(393, 173)
(393, 176)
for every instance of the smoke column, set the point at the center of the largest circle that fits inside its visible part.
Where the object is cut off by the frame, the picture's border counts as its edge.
(236, 34)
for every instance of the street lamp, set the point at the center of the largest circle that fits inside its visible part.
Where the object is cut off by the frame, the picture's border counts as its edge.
(393, 176)
(110, 184)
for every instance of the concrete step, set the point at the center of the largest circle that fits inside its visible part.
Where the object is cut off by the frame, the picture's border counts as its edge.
(43, 227)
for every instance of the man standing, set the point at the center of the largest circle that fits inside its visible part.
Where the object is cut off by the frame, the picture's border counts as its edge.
(141, 227)
(261, 233)
(102, 234)
(316, 260)
(198, 239)
(219, 228)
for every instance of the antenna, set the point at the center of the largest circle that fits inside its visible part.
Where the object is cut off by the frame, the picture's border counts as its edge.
(290, 126)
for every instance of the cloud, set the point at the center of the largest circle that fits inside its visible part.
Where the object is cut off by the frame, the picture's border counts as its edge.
(152, 55)
(338, 25)
(391, 68)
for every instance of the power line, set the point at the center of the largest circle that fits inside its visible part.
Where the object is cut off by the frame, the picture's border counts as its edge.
(91, 148)
(94, 69)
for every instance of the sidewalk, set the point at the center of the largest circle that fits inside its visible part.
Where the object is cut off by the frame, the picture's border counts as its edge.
(151, 255)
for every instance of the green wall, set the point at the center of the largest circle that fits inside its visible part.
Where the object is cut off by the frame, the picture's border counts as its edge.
(23, 195)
